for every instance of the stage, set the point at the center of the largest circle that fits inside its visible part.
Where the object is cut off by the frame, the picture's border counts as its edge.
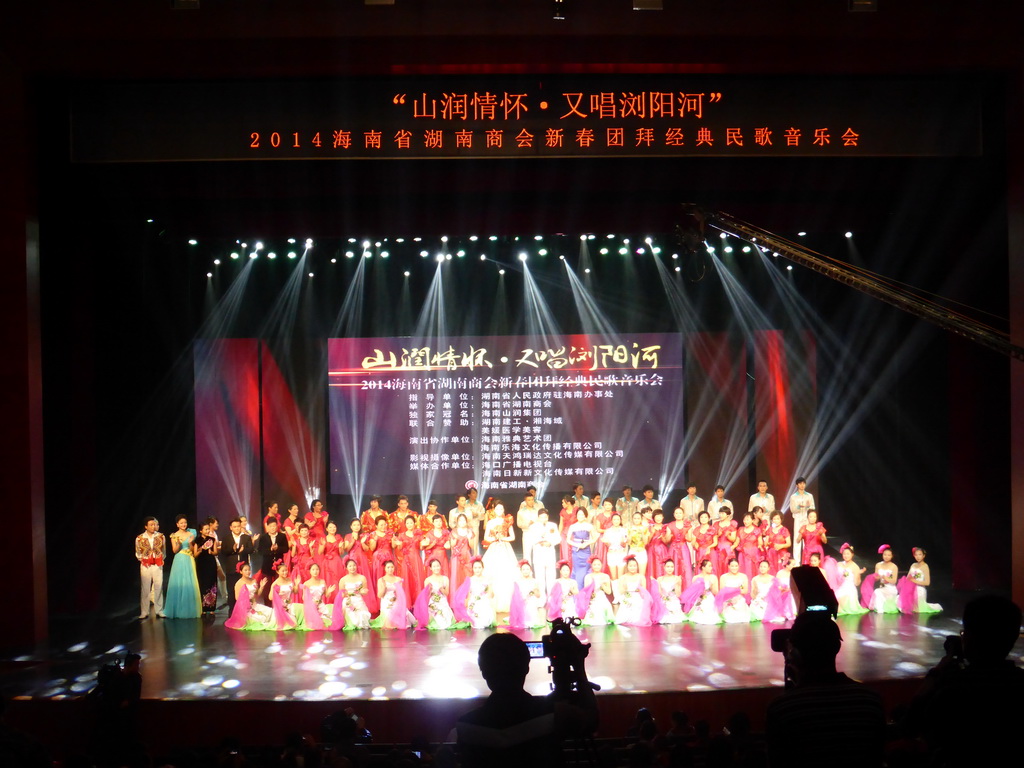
(408, 682)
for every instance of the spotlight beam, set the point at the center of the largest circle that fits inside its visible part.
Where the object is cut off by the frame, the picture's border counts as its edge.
(861, 280)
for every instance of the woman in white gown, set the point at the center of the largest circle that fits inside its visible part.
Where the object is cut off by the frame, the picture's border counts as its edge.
(848, 575)
(480, 597)
(913, 587)
(735, 609)
(760, 586)
(883, 599)
(499, 560)
(670, 589)
(704, 610)
(594, 603)
(350, 611)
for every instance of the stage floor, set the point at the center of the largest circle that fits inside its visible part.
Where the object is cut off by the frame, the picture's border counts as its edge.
(202, 660)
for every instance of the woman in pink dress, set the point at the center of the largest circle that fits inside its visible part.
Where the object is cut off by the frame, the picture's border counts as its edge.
(463, 542)
(380, 549)
(316, 519)
(409, 563)
(676, 538)
(302, 554)
(728, 540)
(566, 518)
(750, 546)
(436, 544)
(657, 549)
(778, 541)
(356, 547)
(330, 558)
(812, 533)
(703, 537)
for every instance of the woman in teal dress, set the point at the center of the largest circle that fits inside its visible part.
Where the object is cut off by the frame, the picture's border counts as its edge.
(183, 587)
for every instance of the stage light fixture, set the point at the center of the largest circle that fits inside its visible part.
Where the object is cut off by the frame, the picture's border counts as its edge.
(482, 257)
(849, 235)
(679, 269)
(384, 254)
(562, 257)
(746, 249)
(333, 260)
(460, 253)
(366, 244)
(416, 239)
(310, 274)
(728, 249)
(789, 267)
(216, 262)
(647, 240)
(723, 235)
(473, 238)
(623, 251)
(586, 271)
(423, 254)
(399, 239)
(492, 238)
(271, 255)
(292, 254)
(640, 251)
(542, 252)
(583, 237)
(591, 237)
(149, 221)
(444, 238)
(501, 271)
(367, 254)
(407, 273)
(243, 245)
(604, 251)
(196, 242)
(377, 244)
(258, 246)
(799, 234)
(447, 257)
(558, 10)
(253, 255)
(209, 274)
(541, 237)
(611, 237)
(675, 255)
(522, 257)
(234, 255)
(655, 250)
(291, 241)
(309, 242)
(350, 254)
(439, 258)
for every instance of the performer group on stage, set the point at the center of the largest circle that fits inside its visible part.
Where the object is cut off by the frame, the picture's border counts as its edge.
(604, 561)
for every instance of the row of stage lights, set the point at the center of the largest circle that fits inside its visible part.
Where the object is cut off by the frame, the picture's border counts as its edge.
(367, 249)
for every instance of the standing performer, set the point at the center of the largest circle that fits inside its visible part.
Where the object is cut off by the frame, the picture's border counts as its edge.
(437, 544)
(183, 600)
(499, 559)
(691, 504)
(369, 516)
(751, 545)
(703, 538)
(545, 541)
(316, 519)
(648, 501)
(778, 542)
(627, 504)
(149, 551)
(762, 499)
(356, 547)
(717, 502)
(273, 546)
(235, 549)
(409, 561)
(475, 512)
(330, 556)
(581, 538)
(676, 537)
(800, 503)
(812, 535)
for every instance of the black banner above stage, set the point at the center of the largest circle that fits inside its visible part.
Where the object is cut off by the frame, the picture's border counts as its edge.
(520, 116)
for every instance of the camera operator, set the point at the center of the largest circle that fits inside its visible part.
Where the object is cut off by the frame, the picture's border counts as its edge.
(514, 728)
(975, 694)
(824, 716)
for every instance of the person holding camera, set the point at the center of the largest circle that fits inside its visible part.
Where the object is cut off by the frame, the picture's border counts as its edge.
(514, 728)
(822, 708)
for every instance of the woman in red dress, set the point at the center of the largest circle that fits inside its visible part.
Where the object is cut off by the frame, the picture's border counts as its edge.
(778, 541)
(380, 547)
(728, 540)
(302, 550)
(331, 569)
(316, 519)
(356, 547)
(436, 544)
(566, 518)
(750, 546)
(657, 549)
(408, 562)
(676, 539)
(703, 537)
(813, 535)
(463, 542)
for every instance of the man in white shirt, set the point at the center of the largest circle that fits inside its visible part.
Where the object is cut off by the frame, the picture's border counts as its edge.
(718, 502)
(149, 551)
(648, 501)
(762, 499)
(626, 506)
(458, 509)
(475, 514)
(541, 543)
(525, 517)
(691, 504)
(800, 503)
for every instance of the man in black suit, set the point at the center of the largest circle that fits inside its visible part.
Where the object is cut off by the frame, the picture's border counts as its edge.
(235, 549)
(272, 545)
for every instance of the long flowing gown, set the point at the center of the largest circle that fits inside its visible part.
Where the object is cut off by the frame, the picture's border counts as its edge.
(749, 551)
(432, 609)
(702, 546)
(462, 553)
(527, 609)
(394, 607)
(914, 597)
(302, 560)
(657, 553)
(283, 617)
(350, 610)
(364, 567)
(702, 601)
(847, 594)
(206, 572)
(723, 550)
(409, 563)
(732, 605)
(562, 600)
(679, 552)
(666, 592)
(500, 565)
(812, 542)
(634, 602)
(775, 537)
(331, 569)
(593, 603)
(880, 599)
(381, 555)
(479, 604)
(759, 603)
(248, 614)
(581, 555)
(781, 605)
(183, 600)
(436, 550)
(316, 611)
